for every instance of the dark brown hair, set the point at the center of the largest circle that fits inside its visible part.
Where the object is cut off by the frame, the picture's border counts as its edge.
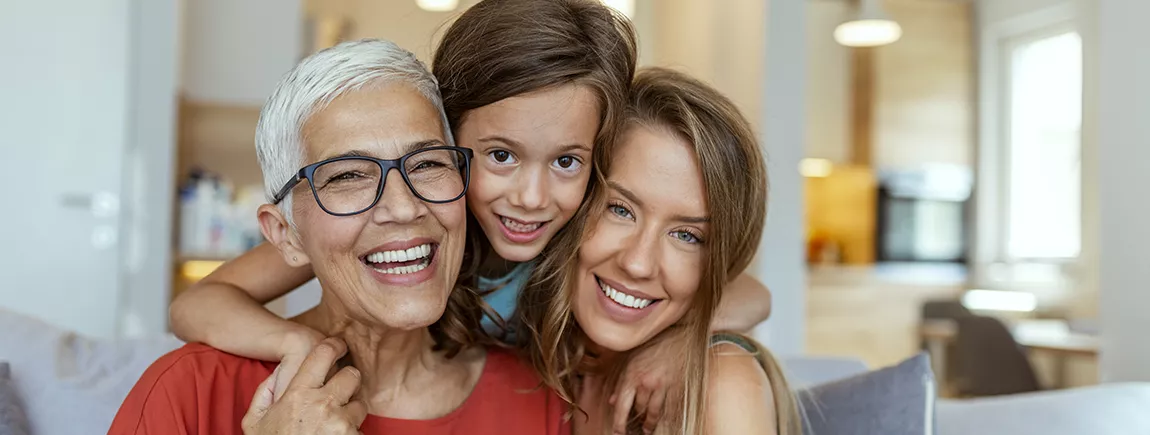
(735, 181)
(499, 49)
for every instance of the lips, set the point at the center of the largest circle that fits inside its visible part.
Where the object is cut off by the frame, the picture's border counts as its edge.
(623, 296)
(520, 231)
(402, 263)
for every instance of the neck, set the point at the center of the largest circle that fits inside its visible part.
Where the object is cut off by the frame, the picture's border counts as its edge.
(494, 266)
(392, 362)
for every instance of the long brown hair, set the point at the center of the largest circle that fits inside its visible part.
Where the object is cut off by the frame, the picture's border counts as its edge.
(735, 180)
(499, 49)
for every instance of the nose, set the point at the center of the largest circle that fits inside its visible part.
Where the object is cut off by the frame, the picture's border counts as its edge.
(640, 255)
(531, 191)
(397, 204)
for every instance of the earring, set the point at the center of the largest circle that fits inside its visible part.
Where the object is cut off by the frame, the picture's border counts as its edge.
(294, 258)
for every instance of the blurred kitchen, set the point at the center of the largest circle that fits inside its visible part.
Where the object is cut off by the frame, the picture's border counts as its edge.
(959, 176)
(944, 180)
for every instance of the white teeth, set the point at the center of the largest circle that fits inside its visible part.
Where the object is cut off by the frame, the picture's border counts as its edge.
(624, 299)
(403, 270)
(518, 227)
(414, 253)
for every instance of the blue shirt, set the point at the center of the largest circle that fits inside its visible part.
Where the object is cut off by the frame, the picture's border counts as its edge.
(504, 298)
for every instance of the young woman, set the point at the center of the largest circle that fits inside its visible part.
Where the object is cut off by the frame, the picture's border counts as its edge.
(680, 210)
(535, 88)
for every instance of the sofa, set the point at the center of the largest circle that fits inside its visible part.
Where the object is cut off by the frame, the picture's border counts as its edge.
(56, 373)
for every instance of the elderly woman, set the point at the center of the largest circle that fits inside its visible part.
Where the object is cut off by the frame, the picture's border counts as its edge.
(367, 187)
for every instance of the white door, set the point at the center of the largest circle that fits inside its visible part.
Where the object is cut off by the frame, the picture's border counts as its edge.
(64, 110)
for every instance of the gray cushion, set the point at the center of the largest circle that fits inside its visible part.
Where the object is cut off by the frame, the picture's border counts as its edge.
(897, 400)
(13, 421)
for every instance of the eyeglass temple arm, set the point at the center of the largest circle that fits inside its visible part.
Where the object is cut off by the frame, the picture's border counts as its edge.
(299, 176)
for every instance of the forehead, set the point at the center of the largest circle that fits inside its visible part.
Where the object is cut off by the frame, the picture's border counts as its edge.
(661, 169)
(561, 115)
(381, 120)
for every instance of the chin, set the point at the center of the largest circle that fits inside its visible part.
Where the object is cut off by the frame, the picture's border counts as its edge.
(615, 342)
(517, 253)
(607, 333)
(410, 314)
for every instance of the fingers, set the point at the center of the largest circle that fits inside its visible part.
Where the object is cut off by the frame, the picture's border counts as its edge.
(260, 402)
(287, 371)
(654, 410)
(623, 409)
(343, 385)
(641, 397)
(318, 363)
(356, 412)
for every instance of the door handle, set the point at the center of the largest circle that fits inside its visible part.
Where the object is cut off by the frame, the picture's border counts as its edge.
(100, 204)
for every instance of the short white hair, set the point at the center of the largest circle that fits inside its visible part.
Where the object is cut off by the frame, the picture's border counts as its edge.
(313, 84)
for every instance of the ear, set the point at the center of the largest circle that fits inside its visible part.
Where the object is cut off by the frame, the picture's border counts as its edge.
(280, 234)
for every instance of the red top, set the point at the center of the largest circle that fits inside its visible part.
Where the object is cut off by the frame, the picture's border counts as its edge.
(200, 390)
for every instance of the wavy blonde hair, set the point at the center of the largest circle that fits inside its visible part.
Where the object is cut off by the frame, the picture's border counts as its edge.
(735, 180)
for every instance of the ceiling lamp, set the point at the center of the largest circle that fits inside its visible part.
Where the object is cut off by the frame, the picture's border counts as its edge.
(871, 28)
(438, 5)
(626, 7)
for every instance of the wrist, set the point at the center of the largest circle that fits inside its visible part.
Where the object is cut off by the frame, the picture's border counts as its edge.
(298, 341)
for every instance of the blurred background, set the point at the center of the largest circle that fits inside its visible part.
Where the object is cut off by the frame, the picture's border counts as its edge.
(959, 176)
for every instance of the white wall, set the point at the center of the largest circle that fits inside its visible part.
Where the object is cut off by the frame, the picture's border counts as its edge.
(780, 261)
(828, 83)
(150, 168)
(1123, 139)
(236, 51)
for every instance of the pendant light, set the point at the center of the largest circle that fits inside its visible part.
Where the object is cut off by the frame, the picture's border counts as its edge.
(871, 28)
(438, 5)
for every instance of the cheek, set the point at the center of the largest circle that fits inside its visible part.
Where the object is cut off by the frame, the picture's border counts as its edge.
(326, 236)
(598, 245)
(683, 272)
(452, 216)
(568, 195)
(485, 186)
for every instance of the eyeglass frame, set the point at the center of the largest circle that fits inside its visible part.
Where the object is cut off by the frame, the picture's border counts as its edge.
(386, 165)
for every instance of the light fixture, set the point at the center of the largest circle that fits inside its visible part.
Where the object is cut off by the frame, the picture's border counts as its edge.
(815, 168)
(627, 7)
(871, 28)
(438, 5)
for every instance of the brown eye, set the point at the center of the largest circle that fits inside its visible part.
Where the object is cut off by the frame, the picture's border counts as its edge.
(501, 156)
(567, 163)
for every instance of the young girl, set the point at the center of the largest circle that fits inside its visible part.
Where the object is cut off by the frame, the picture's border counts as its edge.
(680, 209)
(535, 88)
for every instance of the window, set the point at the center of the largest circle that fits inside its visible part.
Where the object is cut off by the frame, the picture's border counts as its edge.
(1041, 153)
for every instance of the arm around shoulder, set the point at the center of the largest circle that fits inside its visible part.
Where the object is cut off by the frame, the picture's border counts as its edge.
(746, 303)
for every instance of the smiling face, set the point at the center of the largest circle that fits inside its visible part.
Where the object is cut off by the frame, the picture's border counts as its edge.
(532, 164)
(395, 264)
(640, 266)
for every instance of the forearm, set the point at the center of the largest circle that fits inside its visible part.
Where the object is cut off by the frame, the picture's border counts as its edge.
(227, 318)
(746, 303)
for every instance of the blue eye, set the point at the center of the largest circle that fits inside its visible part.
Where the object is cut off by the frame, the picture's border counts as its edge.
(686, 237)
(620, 211)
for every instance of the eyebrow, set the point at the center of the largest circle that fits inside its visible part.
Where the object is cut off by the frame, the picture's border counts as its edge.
(411, 147)
(516, 144)
(635, 199)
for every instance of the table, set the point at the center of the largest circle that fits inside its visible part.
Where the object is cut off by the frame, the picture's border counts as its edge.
(1038, 335)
